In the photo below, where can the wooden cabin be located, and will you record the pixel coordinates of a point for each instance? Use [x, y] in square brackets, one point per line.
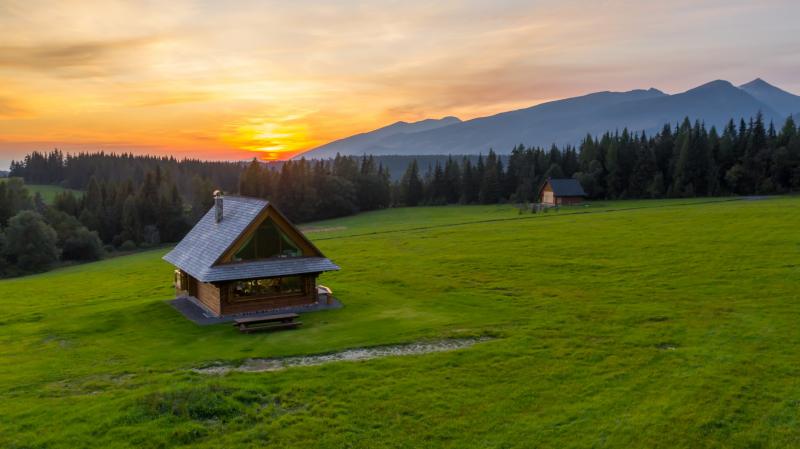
[556, 192]
[245, 256]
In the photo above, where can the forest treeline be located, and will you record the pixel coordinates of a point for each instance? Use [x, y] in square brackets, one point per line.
[109, 216]
[34, 236]
[131, 201]
[75, 171]
[686, 160]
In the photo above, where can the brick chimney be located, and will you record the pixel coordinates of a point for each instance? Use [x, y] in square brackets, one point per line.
[218, 205]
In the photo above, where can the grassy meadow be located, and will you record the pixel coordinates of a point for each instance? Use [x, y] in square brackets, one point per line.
[47, 191]
[652, 324]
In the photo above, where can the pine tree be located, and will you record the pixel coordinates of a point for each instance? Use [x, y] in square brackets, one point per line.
[644, 172]
[452, 181]
[411, 186]
[250, 181]
[490, 182]
[469, 183]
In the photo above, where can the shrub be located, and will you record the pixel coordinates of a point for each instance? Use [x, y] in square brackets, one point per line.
[127, 245]
[63, 223]
[30, 242]
[83, 244]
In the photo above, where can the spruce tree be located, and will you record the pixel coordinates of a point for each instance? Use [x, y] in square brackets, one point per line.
[490, 181]
[411, 185]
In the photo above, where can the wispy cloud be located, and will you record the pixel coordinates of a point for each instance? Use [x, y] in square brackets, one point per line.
[167, 98]
[72, 59]
[12, 108]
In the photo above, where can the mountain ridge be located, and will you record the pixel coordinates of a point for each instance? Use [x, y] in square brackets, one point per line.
[569, 120]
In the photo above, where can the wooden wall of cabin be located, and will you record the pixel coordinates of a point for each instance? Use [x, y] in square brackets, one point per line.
[567, 200]
[192, 285]
[216, 297]
[230, 307]
[547, 196]
[209, 295]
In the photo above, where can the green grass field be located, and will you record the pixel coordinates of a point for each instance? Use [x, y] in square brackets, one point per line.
[48, 192]
[652, 324]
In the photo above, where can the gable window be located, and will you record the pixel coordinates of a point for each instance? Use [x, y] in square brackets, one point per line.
[267, 241]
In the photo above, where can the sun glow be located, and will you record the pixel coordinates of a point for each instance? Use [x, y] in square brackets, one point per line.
[274, 140]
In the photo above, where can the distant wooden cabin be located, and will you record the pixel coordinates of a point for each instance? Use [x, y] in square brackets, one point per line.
[245, 256]
[557, 192]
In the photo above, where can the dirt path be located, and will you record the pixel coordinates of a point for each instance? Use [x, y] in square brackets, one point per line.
[275, 364]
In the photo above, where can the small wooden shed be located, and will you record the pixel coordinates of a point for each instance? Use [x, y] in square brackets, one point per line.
[564, 191]
[245, 256]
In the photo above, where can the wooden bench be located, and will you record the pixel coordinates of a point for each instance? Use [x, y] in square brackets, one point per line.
[267, 323]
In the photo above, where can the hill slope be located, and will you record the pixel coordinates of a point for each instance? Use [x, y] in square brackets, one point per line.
[683, 336]
[568, 121]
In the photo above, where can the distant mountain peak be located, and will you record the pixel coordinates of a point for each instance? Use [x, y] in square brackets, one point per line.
[372, 138]
[444, 120]
[567, 121]
[716, 84]
[786, 103]
[757, 83]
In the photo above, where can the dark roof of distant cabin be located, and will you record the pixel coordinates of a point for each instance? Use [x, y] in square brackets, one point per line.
[566, 187]
[208, 240]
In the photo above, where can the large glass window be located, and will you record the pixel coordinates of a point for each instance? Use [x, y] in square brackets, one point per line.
[260, 288]
[267, 241]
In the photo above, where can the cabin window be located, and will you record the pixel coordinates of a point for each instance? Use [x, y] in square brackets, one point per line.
[267, 241]
[261, 288]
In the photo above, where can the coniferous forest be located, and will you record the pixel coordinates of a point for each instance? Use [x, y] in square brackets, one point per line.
[140, 201]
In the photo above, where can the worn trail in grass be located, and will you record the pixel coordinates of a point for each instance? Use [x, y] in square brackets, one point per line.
[671, 327]
[348, 355]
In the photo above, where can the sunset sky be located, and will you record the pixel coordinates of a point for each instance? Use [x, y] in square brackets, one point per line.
[234, 79]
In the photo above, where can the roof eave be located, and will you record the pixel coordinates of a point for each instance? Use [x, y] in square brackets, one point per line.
[210, 276]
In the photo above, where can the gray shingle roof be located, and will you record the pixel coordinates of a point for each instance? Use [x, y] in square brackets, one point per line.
[269, 268]
[567, 187]
[208, 240]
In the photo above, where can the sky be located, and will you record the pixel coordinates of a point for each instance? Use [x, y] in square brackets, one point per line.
[240, 79]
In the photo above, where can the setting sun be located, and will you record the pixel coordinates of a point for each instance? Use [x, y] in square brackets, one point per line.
[273, 140]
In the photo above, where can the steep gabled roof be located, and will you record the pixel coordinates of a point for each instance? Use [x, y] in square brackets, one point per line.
[565, 187]
[198, 252]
